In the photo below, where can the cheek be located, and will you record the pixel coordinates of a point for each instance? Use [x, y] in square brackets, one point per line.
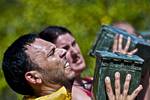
[78, 48]
[54, 63]
[79, 51]
[56, 75]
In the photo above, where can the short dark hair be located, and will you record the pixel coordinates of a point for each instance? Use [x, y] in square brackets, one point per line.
[51, 33]
[16, 63]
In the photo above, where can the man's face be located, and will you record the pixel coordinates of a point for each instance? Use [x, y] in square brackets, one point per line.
[73, 55]
[50, 59]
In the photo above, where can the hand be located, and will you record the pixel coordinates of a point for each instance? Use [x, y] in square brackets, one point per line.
[118, 95]
[117, 46]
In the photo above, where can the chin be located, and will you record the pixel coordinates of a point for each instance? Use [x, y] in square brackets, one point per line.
[71, 74]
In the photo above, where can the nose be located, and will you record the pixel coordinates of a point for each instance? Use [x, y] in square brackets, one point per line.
[62, 53]
[73, 51]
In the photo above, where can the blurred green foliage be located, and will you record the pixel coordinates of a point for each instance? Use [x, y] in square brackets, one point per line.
[82, 17]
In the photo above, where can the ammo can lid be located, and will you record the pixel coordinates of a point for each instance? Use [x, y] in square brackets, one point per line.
[113, 31]
[118, 56]
[117, 30]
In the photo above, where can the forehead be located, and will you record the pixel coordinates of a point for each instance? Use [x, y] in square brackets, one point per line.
[40, 44]
[64, 39]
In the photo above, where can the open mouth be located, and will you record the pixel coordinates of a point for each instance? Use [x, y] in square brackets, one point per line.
[78, 60]
[67, 65]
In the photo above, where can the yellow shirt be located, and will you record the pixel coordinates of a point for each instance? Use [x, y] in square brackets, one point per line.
[61, 94]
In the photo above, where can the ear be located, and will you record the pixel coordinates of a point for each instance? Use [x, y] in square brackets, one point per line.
[33, 77]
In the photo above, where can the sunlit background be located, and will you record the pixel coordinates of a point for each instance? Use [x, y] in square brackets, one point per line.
[82, 17]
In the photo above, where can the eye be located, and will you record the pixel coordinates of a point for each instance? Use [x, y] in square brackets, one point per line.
[66, 47]
[51, 52]
[73, 43]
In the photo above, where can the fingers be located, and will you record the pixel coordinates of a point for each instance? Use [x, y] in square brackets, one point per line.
[126, 86]
[118, 95]
[136, 92]
[117, 85]
[115, 44]
[133, 52]
[120, 43]
[109, 88]
[128, 44]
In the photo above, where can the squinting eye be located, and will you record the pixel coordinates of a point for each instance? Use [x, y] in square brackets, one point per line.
[66, 47]
[73, 43]
[51, 52]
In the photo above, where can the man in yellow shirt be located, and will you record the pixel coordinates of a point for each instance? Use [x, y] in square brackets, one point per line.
[37, 69]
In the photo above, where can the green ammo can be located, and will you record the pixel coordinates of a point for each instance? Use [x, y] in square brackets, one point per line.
[107, 63]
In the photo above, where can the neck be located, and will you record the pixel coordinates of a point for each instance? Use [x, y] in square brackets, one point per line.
[46, 89]
[78, 80]
[68, 85]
